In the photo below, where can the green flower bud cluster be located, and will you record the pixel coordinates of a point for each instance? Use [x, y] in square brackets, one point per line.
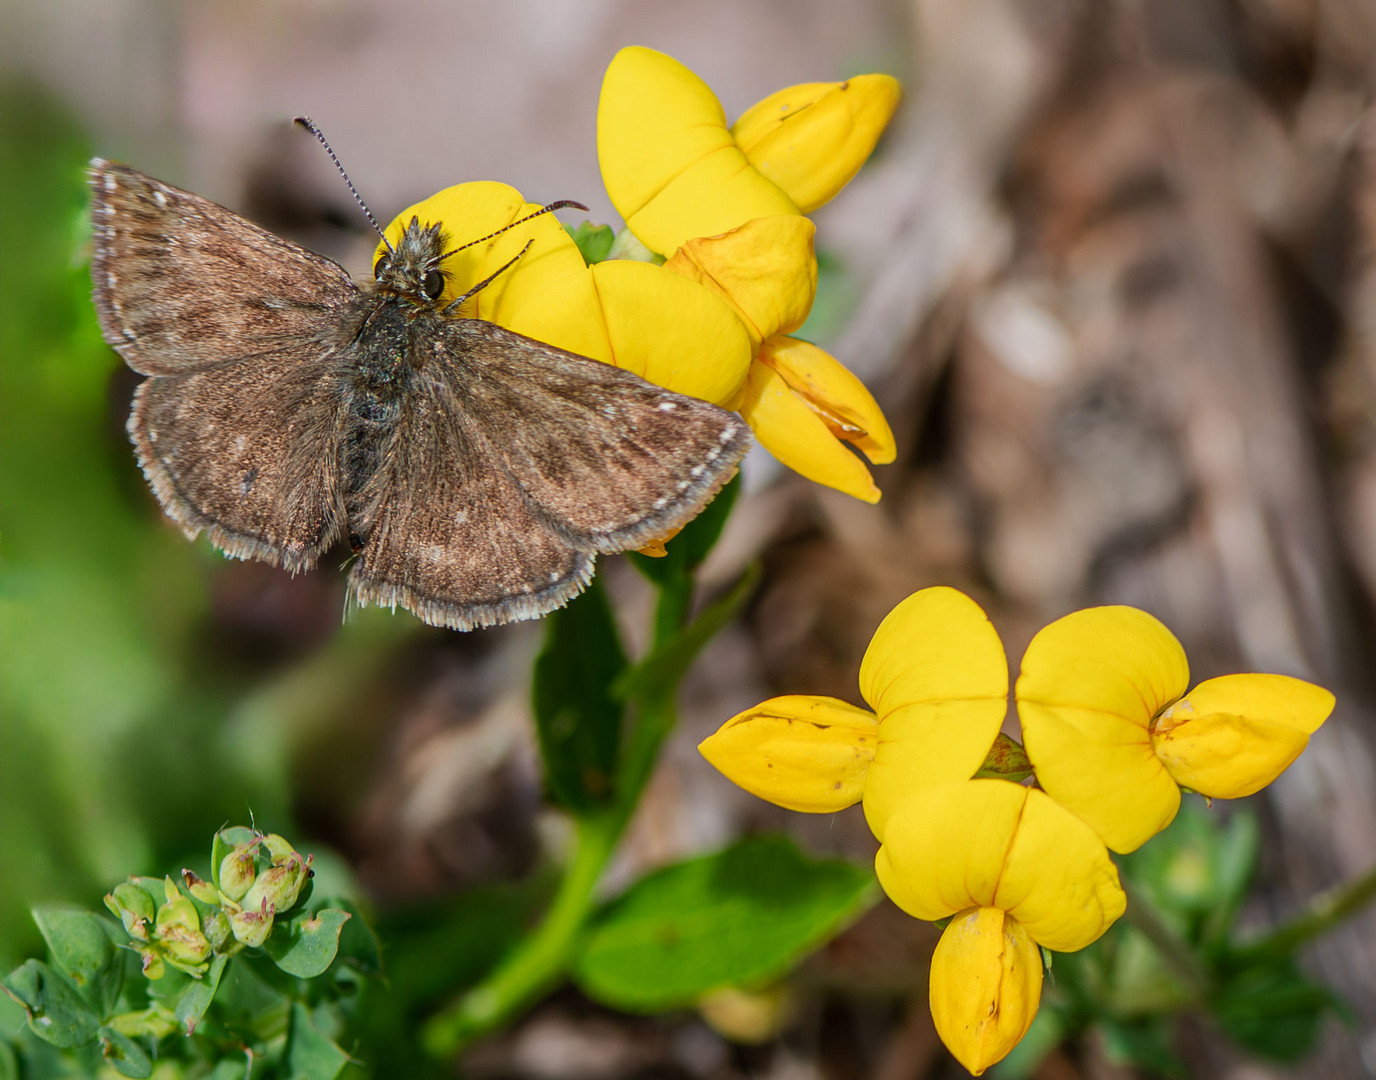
[256, 877]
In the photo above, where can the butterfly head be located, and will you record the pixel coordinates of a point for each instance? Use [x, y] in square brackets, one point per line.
[412, 270]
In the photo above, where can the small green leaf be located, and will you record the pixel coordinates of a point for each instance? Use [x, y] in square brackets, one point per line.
[358, 945]
[576, 716]
[594, 241]
[126, 1055]
[81, 948]
[57, 1014]
[305, 945]
[1273, 1010]
[743, 916]
[196, 998]
[311, 1055]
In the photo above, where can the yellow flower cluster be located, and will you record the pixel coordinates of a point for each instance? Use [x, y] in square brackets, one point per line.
[723, 207]
[1111, 733]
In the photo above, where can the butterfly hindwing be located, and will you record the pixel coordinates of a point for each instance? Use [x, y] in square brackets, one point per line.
[451, 537]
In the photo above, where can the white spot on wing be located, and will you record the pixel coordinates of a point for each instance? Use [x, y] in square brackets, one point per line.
[461, 518]
[668, 406]
[160, 198]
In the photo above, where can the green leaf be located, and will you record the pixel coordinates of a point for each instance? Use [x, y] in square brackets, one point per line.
[594, 241]
[57, 1014]
[743, 916]
[576, 715]
[126, 1055]
[81, 948]
[196, 998]
[1146, 1042]
[1273, 1010]
[305, 945]
[691, 546]
[358, 945]
[9, 1066]
[311, 1055]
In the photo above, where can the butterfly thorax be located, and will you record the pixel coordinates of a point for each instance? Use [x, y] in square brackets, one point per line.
[397, 313]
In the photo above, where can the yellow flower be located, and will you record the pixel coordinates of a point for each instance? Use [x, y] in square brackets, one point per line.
[1016, 871]
[935, 676]
[657, 324]
[725, 205]
[1113, 736]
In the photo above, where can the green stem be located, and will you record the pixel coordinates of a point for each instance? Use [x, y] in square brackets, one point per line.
[542, 959]
[1323, 913]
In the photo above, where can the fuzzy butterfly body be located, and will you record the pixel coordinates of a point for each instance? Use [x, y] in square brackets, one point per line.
[476, 473]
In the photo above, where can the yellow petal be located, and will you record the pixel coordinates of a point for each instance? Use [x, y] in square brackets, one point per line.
[803, 753]
[991, 843]
[765, 270]
[811, 139]
[1231, 736]
[467, 212]
[548, 294]
[672, 331]
[714, 195]
[798, 437]
[1090, 686]
[833, 393]
[668, 161]
[986, 985]
[654, 119]
[936, 674]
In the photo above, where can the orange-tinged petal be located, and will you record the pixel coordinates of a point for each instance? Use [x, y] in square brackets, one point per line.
[468, 212]
[936, 674]
[672, 331]
[1231, 736]
[717, 193]
[765, 270]
[803, 753]
[812, 138]
[655, 118]
[798, 436]
[1090, 685]
[837, 396]
[991, 843]
[986, 984]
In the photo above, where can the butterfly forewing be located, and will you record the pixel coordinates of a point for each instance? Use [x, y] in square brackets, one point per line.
[180, 282]
[610, 460]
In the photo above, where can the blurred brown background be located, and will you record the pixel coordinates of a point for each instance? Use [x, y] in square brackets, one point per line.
[1110, 274]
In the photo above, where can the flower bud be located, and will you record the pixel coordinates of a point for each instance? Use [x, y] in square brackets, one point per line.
[251, 926]
[238, 869]
[133, 907]
[280, 885]
[152, 964]
[199, 888]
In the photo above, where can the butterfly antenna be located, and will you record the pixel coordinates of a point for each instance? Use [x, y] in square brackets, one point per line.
[562, 204]
[311, 126]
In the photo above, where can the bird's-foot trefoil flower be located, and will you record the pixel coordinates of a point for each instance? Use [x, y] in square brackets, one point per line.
[724, 205]
[936, 679]
[1113, 736]
[1015, 871]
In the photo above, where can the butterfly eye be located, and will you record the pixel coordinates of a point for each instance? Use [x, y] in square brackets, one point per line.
[382, 266]
[432, 284]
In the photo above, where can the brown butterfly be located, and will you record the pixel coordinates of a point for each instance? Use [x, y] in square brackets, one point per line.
[475, 472]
